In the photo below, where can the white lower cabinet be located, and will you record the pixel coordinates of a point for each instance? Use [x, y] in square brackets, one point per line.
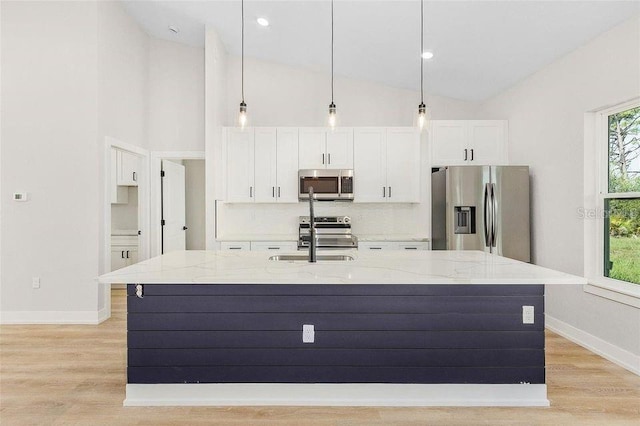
[393, 245]
[235, 245]
[274, 246]
[259, 245]
[124, 251]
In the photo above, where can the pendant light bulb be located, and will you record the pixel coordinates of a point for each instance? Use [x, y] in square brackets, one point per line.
[422, 115]
[242, 117]
[332, 115]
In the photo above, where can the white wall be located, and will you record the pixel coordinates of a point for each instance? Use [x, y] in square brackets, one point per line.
[282, 95]
[176, 96]
[49, 116]
[194, 176]
[546, 125]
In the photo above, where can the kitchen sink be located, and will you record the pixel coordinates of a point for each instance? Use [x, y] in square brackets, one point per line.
[305, 258]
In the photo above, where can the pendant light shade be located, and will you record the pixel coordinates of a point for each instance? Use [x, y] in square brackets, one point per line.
[242, 116]
[332, 106]
[422, 108]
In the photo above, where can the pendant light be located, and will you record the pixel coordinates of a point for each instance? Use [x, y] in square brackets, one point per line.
[332, 105]
[242, 117]
[422, 108]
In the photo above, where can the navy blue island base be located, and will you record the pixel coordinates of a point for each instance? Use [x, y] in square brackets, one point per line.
[369, 333]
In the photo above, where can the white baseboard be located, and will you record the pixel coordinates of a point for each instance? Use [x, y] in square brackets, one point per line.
[371, 395]
[54, 317]
[595, 344]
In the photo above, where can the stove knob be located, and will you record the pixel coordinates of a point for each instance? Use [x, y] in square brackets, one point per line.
[347, 219]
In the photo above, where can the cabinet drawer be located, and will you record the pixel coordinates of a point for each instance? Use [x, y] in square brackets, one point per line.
[413, 245]
[235, 245]
[377, 245]
[274, 246]
[124, 240]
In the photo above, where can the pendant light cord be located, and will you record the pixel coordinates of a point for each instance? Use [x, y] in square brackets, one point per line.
[242, 54]
[421, 51]
[331, 51]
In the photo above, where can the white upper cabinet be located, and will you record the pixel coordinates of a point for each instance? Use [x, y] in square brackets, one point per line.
[387, 165]
[403, 165]
[262, 165]
[128, 166]
[240, 170]
[321, 148]
[287, 165]
[468, 142]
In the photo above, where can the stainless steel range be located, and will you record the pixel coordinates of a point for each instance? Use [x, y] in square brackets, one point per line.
[333, 232]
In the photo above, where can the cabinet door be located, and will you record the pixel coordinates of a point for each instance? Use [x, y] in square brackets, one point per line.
[287, 165]
[448, 140]
[129, 168]
[340, 149]
[240, 162]
[370, 165]
[265, 165]
[312, 148]
[403, 165]
[131, 255]
[487, 142]
[119, 194]
[118, 257]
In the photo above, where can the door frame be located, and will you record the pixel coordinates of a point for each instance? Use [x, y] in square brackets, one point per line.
[155, 234]
[143, 211]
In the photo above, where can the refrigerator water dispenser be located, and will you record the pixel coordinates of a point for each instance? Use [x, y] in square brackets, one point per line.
[465, 220]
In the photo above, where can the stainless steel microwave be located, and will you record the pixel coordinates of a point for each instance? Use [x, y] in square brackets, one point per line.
[328, 185]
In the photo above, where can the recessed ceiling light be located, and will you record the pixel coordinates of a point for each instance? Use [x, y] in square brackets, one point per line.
[263, 22]
[427, 55]
[174, 29]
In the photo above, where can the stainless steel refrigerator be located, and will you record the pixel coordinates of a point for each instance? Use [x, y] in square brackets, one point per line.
[481, 208]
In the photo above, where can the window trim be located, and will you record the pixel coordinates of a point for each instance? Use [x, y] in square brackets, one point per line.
[599, 284]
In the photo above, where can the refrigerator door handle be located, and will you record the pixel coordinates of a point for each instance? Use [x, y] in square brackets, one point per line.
[487, 214]
[494, 210]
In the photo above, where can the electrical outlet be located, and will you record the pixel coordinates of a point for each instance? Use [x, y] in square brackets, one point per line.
[308, 333]
[527, 315]
[35, 282]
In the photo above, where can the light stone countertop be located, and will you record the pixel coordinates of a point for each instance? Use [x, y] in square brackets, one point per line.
[387, 267]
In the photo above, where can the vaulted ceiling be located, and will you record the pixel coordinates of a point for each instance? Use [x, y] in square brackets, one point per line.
[480, 47]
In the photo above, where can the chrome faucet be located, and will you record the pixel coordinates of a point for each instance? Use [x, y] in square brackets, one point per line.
[312, 229]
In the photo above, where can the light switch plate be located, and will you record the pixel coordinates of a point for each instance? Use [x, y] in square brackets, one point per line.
[528, 315]
[308, 333]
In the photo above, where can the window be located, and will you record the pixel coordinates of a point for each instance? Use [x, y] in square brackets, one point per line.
[621, 195]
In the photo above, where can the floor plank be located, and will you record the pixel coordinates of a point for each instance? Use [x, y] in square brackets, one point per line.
[75, 375]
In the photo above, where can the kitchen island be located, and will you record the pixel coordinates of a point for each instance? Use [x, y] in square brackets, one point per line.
[392, 328]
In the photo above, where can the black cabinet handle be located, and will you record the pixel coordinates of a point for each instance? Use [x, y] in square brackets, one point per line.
[135, 178]
[278, 192]
[122, 254]
[465, 154]
[375, 248]
[184, 228]
[127, 254]
[273, 192]
[389, 192]
[472, 154]
[329, 155]
[384, 192]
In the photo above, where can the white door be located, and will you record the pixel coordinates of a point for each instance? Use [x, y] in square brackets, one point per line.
[173, 207]
[448, 139]
[340, 149]
[287, 165]
[240, 162]
[487, 142]
[403, 165]
[370, 165]
[312, 148]
[265, 165]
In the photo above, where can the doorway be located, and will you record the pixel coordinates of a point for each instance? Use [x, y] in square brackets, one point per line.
[178, 197]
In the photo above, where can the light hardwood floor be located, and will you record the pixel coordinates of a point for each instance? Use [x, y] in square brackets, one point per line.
[71, 374]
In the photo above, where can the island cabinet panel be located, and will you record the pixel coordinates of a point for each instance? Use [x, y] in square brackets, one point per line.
[243, 333]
